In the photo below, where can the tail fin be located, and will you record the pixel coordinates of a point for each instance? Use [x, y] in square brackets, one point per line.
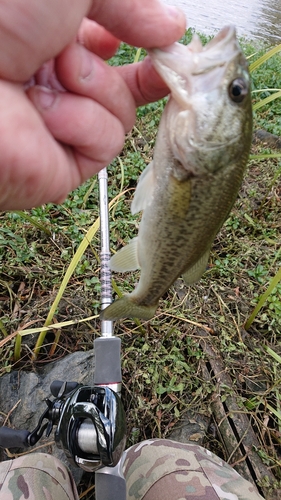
[126, 308]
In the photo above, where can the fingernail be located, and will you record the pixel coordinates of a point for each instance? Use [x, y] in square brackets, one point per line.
[174, 12]
[45, 97]
[87, 63]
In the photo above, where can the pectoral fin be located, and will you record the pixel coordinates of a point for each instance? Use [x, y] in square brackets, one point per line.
[193, 274]
[144, 190]
[126, 259]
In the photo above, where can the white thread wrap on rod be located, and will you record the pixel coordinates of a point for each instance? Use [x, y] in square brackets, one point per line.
[105, 273]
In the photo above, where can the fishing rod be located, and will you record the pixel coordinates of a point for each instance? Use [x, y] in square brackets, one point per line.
[107, 350]
[90, 421]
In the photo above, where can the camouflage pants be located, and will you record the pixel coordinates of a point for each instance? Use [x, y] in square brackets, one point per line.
[154, 470]
[34, 477]
[160, 469]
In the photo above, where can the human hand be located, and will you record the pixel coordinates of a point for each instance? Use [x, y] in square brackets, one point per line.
[52, 139]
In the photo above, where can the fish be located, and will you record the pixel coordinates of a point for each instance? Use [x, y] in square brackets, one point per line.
[200, 155]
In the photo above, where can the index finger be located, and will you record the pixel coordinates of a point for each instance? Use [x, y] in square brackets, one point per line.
[145, 23]
[143, 81]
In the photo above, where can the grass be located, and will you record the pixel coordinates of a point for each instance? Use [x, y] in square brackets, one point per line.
[49, 282]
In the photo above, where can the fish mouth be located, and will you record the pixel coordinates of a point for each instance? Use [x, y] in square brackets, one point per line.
[191, 68]
[225, 44]
[195, 56]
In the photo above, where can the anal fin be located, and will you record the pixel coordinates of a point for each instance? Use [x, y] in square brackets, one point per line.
[126, 259]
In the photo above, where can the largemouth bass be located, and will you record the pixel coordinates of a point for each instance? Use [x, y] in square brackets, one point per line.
[188, 189]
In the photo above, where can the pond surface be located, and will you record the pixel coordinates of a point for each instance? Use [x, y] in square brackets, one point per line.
[254, 19]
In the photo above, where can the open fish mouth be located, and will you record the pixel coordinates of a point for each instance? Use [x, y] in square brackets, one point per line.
[222, 48]
[191, 68]
[224, 42]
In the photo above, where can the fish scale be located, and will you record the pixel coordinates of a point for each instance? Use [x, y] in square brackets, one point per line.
[200, 156]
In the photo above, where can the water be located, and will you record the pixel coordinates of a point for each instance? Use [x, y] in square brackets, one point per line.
[254, 19]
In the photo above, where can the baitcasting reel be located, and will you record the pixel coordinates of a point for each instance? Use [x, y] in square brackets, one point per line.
[90, 424]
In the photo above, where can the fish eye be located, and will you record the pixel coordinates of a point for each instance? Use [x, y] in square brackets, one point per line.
[237, 90]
